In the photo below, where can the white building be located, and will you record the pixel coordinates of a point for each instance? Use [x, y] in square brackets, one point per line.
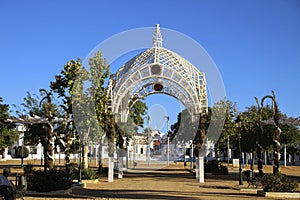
[136, 150]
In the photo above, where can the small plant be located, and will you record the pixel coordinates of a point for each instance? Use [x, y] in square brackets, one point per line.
[86, 174]
[72, 169]
[278, 183]
[89, 174]
[102, 171]
[28, 168]
[19, 152]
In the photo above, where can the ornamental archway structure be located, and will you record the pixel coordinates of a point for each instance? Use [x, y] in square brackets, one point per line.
[158, 70]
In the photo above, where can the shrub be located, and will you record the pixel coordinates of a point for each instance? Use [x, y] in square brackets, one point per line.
[73, 170]
[278, 183]
[215, 167]
[19, 152]
[86, 174]
[52, 180]
[28, 168]
[89, 174]
[102, 171]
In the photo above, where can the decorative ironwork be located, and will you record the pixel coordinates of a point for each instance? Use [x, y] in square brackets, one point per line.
[277, 131]
[158, 70]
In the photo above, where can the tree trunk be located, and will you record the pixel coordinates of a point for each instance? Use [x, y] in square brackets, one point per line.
[111, 143]
[49, 159]
[45, 155]
[100, 155]
[3, 153]
[85, 157]
[268, 158]
[276, 150]
[252, 163]
[224, 155]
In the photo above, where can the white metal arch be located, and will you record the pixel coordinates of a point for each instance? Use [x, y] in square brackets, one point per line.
[158, 70]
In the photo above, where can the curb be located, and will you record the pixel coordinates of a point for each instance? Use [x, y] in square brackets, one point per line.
[291, 195]
[51, 193]
[252, 190]
[67, 192]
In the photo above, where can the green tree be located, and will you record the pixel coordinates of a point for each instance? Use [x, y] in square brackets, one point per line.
[87, 91]
[8, 133]
[256, 137]
[91, 102]
[40, 123]
[250, 129]
[99, 101]
[182, 128]
[69, 85]
[252, 135]
[49, 108]
[258, 131]
[201, 132]
[291, 137]
[229, 131]
[137, 111]
[63, 87]
[99, 90]
[98, 77]
[35, 133]
[185, 130]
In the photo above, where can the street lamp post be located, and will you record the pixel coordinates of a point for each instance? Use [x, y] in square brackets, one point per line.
[192, 155]
[134, 150]
[79, 165]
[168, 139]
[22, 152]
[239, 124]
[79, 158]
[228, 150]
[148, 147]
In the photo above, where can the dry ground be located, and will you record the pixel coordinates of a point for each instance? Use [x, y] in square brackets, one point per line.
[163, 182]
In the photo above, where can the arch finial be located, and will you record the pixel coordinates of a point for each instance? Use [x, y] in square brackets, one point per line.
[157, 37]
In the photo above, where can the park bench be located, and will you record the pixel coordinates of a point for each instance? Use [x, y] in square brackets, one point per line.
[21, 185]
[253, 179]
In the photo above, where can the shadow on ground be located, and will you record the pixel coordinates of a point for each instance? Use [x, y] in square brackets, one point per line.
[150, 194]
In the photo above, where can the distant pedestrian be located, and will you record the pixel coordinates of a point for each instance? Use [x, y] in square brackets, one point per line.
[68, 164]
[90, 156]
[294, 162]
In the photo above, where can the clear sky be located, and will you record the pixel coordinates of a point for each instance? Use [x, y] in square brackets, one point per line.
[255, 44]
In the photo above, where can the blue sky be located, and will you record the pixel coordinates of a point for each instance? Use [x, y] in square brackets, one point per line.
[255, 44]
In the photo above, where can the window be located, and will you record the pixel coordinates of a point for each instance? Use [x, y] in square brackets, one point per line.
[32, 150]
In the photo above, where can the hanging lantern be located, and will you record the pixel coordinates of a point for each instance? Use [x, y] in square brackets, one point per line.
[158, 87]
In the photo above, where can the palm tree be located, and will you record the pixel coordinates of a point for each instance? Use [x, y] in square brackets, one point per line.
[48, 148]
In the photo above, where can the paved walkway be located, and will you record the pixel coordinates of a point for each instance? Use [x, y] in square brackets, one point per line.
[172, 182]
